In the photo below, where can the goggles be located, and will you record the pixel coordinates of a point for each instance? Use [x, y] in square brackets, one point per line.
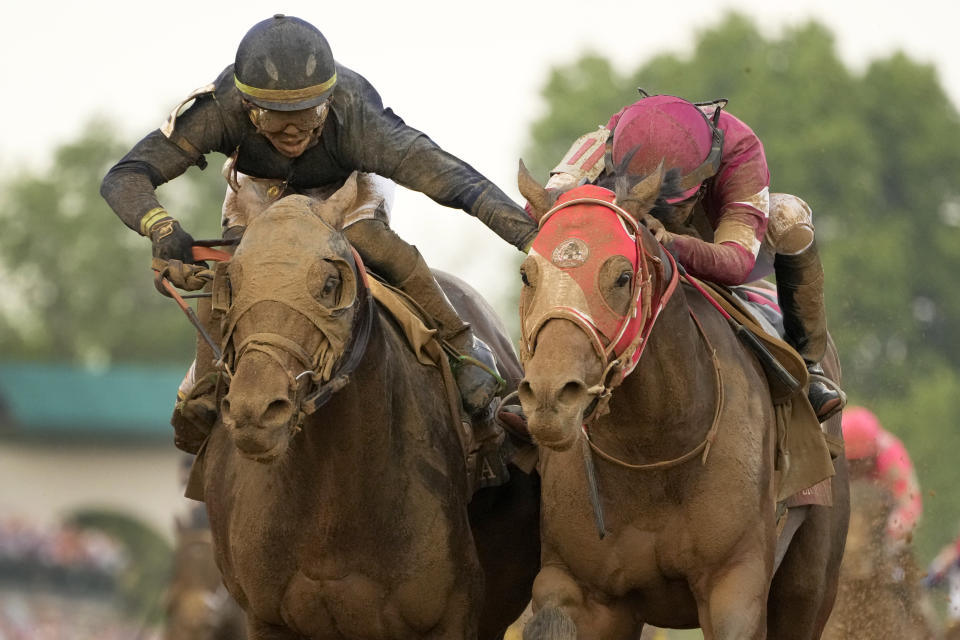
[304, 120]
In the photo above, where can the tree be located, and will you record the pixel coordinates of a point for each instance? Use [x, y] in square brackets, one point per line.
[77, 282]
[876, 156]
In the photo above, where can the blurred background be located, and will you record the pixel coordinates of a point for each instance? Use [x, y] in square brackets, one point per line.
[857, 111]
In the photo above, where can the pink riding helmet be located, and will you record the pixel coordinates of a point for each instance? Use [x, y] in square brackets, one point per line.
[664, 128]
[860, 431]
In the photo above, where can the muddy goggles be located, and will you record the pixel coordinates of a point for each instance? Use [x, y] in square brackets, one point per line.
[304, 120]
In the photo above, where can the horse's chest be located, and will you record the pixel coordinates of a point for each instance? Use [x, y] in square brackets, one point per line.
[628, 558]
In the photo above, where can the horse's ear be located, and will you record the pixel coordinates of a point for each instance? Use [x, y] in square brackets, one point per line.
[533, 191]
[334, 209]
[643, 196]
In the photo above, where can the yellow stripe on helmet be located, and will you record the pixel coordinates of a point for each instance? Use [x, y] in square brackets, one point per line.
[286, 95]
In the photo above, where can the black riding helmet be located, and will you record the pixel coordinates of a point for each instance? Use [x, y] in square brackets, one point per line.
[284, 64]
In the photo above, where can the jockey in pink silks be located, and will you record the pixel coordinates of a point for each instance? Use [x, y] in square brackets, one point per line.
[722, 223]
[880, 456]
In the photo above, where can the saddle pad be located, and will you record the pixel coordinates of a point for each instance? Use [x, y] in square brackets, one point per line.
[762, 306]
[419, 337]
[425, 345]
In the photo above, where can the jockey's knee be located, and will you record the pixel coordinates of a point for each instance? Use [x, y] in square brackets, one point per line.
[382, 249]
[790, 228]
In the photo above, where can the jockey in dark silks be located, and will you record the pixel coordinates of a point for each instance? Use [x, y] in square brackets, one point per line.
[734, 230]
[292, 120]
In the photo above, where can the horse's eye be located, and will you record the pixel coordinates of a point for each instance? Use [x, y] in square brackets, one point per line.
[330, 285]
[523, 276]
[624, 279]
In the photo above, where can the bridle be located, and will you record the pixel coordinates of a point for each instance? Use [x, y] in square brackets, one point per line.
[617, 358]
[616, 362]
[307, 398]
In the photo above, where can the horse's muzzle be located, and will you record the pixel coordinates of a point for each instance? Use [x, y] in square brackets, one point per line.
[554, 408]
[259, 424]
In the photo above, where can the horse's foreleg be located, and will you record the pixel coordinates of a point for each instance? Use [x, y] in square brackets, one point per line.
[732, 603]
[562, 611]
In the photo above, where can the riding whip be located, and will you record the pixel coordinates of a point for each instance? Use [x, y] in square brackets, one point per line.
[593, 486]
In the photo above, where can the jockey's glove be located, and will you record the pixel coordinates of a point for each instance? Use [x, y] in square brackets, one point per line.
[170, 241]
[190, 277]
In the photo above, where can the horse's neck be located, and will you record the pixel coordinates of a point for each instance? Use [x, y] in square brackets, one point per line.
[673, 383]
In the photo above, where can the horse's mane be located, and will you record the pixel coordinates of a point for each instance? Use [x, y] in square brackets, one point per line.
[619, 180]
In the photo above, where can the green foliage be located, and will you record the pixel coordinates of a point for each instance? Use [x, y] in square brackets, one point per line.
[149, 557]
[77, 284]
[876, 155]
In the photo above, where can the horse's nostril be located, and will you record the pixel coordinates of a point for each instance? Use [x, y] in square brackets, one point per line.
[525, 392]
[224, 407]
[278, 411]
[571, 392]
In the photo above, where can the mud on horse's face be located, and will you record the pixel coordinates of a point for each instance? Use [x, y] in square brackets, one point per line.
[584, 305]
[294, 285]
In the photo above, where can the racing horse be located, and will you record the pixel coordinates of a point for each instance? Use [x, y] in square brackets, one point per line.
[675, 460]
[335, 478]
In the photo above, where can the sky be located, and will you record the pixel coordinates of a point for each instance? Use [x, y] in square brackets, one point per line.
[468, 77]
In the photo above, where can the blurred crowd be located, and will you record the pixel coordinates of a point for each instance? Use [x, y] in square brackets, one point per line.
[60, 555]
[59, 582]
[32, 616]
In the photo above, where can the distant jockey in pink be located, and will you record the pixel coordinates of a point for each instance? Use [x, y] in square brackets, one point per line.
[886, 462]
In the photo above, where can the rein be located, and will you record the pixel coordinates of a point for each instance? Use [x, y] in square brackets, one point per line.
[704, 445]
[630, 356]
[614, 370]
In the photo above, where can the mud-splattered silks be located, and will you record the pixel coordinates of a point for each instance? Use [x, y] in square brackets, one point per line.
[273, 263]
[577, 237]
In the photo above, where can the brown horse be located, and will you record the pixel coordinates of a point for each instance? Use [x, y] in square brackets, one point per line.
[871, 601]
[335, 482]
[684, 446]
[198, 605]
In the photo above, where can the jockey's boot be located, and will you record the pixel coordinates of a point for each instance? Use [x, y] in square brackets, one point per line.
[475, 368]
[800, 291]
[476, 375]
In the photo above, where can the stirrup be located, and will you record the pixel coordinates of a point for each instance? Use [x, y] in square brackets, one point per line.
[826, 397]
[489, 451]
[477, 376]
